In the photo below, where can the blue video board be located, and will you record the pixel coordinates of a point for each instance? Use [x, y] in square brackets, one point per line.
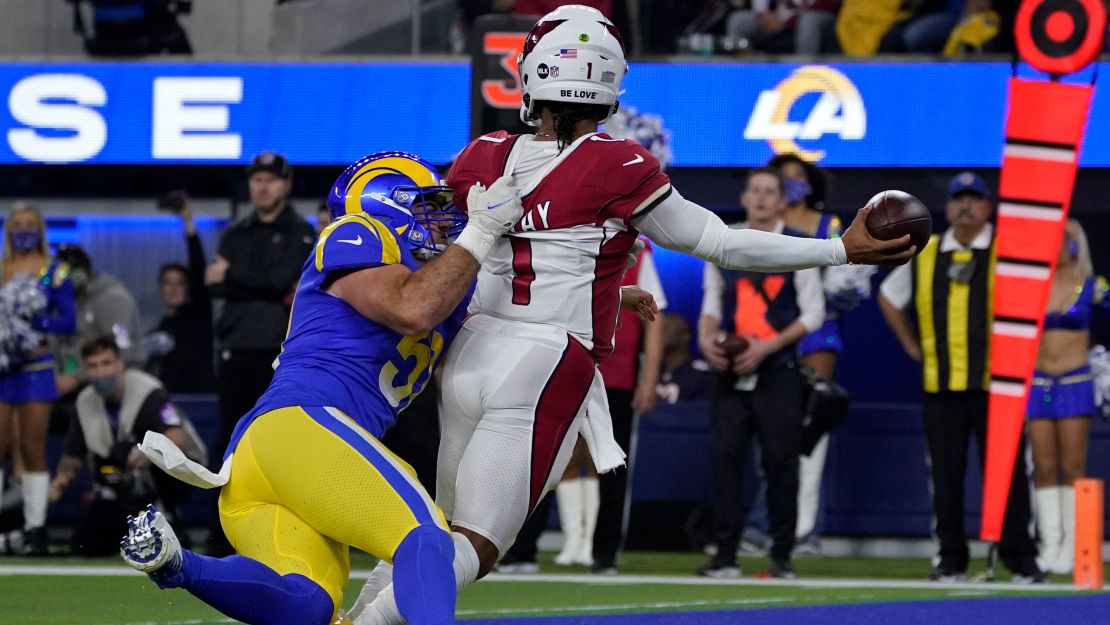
[719, 114]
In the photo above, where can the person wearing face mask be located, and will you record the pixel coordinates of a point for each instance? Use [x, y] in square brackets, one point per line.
[114, 412]
[939, 308]
[39, 286]
[805, 186]
[1061, 398]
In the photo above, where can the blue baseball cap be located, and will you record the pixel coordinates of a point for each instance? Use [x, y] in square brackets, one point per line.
[968, 181]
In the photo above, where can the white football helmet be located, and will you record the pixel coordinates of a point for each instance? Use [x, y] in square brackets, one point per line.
[573, 54]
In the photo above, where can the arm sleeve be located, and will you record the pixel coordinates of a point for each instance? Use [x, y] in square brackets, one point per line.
[678, 224]
[896, 287]
[60, 316]
[197, 263]
[811, 298]
[648, 279]
[712, 288]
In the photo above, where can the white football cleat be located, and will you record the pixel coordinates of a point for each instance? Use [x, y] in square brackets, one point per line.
[151, 544]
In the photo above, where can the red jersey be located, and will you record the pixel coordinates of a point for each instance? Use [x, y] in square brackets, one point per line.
[563, 262]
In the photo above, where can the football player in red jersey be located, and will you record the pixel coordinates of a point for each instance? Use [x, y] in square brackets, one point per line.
[521, 380]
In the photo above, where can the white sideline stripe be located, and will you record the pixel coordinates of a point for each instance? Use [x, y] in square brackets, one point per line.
[1007, 209]
[608, 580]
[1039, 153]
[600, 580]
[695, 603]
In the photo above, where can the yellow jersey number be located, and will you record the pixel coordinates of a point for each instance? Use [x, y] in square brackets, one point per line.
[407, 372]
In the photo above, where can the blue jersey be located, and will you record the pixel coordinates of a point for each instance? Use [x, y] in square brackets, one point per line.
[334, 356]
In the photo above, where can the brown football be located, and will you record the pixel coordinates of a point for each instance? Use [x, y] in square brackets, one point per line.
[732, 344]
[897, 213]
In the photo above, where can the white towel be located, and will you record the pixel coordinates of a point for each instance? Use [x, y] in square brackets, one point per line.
[598, 431]
[168, 457]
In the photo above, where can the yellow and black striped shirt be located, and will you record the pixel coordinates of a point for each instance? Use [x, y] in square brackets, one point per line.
[953, 295]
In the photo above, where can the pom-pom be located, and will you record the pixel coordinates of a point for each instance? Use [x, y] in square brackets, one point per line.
[1099, 358]
[20, 301]
[848, 285]
[643, 128]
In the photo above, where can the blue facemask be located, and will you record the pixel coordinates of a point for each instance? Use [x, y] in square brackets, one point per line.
[796, 190]
[25, 240]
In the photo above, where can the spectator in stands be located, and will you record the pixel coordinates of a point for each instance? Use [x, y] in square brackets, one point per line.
[682, 377]
[760, 389]
[180, 347]
[786, 26]
[862, 24]
[255, 272]
[976, 31]
[1062, 398]
[805, 194]
[104, 308]
[924, 26]
[36, 301]
[948, 290]
[114, 412]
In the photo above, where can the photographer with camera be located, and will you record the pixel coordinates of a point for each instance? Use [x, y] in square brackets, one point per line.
[114, 412]
[179, 349]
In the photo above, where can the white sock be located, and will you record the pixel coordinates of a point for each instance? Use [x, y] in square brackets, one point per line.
[466, 561]
[569, 499]
[380, 577]
[36, 488]
[1065, 562]
[591, 502]
[1047, 501]
[383, 609]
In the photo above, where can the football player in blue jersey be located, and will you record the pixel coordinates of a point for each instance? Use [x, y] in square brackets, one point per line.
[305, 475]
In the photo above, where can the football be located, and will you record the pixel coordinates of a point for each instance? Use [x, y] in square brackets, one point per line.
[732, 344]
[898, 213]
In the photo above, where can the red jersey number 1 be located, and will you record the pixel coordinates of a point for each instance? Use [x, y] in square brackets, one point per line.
[522, 267]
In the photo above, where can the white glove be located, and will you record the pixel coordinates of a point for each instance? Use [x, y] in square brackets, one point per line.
[491, 213]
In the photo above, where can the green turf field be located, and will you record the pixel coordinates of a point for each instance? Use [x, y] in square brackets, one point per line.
[650, 582]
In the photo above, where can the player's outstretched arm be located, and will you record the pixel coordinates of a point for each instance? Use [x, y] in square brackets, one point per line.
[405, 301]
[679, 224]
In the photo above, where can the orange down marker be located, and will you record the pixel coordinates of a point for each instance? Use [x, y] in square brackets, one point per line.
[1088, 534]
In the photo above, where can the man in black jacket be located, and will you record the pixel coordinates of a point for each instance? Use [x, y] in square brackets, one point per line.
[255, 272]
[180, 348]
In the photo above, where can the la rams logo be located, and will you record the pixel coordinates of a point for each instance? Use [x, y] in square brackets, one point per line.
[839, 110]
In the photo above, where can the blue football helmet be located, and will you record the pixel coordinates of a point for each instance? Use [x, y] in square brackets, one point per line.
[403, 191]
